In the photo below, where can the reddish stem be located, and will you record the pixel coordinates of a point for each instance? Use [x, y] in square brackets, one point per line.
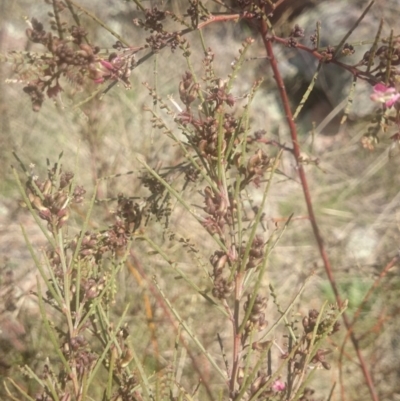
[320, 57]
[296, 152]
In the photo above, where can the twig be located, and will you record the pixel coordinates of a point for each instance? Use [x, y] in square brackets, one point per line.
[297, 154]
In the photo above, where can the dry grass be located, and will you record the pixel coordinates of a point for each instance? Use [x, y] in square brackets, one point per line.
[355, 192]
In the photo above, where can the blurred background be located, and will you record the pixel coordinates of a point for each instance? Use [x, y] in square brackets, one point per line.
[355, 190]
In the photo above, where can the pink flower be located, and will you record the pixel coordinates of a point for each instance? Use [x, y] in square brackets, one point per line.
[278, 386]
[101, 70]
[384, 94]
[118, 69]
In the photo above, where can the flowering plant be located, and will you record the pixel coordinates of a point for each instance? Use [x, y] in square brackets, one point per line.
[385, 94]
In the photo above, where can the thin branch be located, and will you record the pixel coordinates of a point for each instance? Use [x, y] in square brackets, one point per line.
[304, 183]
[342, 42]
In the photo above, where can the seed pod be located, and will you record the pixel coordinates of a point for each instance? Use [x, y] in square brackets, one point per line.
[88, 49]
[240, 376]
[37, 203]
[46, 187]
[63, 215]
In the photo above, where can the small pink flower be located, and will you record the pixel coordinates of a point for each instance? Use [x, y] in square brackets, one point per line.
[107, 65]
[384, 94]
[102, 70]
[99, 80]
[278, 386]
